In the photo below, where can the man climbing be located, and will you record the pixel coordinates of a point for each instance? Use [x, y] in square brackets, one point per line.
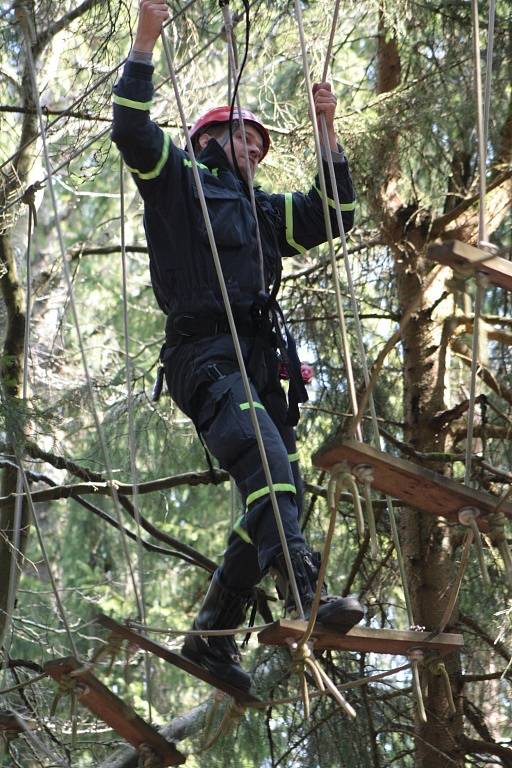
[200, 363]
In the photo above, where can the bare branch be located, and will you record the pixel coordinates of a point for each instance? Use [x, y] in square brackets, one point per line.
[47, 34]
[123, 489]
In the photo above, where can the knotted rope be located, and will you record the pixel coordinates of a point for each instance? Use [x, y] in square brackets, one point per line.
[301, 651]
[498, 537]
[436, 666]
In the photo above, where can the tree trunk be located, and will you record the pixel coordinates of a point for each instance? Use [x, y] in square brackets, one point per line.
[426, 542]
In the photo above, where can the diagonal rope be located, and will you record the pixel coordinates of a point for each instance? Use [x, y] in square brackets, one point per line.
[131, 426]
[233, 330]
[42, 545]
[38, 746]
[345, 346]
[25, 22]
[339, 218]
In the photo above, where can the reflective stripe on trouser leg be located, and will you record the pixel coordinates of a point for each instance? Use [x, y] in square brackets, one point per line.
[230, 437]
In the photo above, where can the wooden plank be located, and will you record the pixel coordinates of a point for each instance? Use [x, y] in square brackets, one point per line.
[114, 712]
[135, 638]
[417, 486]
[11, 724]
[363, 639]
[456, 254]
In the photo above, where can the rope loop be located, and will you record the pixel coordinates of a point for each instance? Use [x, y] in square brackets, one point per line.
[363, 473]
[498, 539]
[148, 758]
[340, 478]
[230, 719]
[29, 195]
[436, 667]
[468, 517]
[497, 533]
[111, 650]
[67, 687]
[416, 655]
[29, 198]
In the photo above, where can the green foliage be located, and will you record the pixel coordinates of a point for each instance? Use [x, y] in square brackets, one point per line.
[426, 126]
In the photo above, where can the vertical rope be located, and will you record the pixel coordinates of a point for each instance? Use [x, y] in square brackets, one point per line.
[233, 71]
[18, 505]
[480, 282]
[480, 130]
[42, 545]
[233, 330]
[488, 70]
[416, 657]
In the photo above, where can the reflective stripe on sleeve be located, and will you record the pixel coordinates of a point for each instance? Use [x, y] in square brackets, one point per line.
[147, 175]
[144, 106]
[343, 206]
[288, 208]
[265, 491]
[293, 457]
[246, 406]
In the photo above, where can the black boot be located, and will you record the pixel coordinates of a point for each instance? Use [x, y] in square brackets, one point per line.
[221, 609]
[340, 613]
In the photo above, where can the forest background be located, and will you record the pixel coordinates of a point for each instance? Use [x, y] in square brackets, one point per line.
[404, 76]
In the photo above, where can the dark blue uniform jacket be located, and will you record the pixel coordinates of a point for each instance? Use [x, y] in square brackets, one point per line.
[181, 264]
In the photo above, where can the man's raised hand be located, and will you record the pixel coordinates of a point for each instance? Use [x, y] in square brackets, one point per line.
[152, 14]
[325, 104]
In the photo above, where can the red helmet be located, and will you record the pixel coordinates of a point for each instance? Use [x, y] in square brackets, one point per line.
[221, 115]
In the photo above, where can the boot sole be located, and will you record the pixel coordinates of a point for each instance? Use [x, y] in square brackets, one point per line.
[218, 670]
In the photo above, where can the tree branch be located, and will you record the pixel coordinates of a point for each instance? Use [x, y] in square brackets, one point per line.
[47, 34]
[440, 224]
[473, 746]
[104, 488]
[499, 647]
[464, 352]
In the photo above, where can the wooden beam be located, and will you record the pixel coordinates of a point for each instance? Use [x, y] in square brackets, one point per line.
[157, 649]
[362, 639]
[456, 254]
[416, 486]
[112, 711]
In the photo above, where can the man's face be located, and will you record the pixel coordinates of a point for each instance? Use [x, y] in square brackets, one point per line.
[254, 143]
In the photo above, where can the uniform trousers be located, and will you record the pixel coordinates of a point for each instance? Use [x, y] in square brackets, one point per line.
[221, 414]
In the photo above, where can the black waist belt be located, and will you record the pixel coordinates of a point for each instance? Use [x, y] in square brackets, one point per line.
[265, 323]
[190, 327]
